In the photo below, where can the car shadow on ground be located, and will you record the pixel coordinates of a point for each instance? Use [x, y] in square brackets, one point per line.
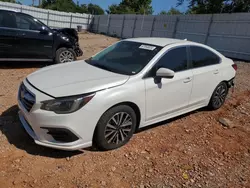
[21, 65]
[11, 127]
[16, 135]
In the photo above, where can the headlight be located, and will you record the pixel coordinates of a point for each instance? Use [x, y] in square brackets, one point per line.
[65, 38]
[66, 105]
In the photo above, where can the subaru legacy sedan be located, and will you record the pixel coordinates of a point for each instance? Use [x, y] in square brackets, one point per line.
[131, 84]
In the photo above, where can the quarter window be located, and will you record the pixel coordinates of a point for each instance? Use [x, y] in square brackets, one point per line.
[202, 57]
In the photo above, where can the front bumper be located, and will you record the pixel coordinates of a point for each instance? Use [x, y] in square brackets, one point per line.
[37, 124]
[43, 139]
[78, 50]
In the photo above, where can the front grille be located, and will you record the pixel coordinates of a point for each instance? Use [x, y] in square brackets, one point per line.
[26, 97]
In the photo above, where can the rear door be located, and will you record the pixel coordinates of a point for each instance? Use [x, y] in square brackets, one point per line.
[206, 74]
[33, 44]
[8, 34]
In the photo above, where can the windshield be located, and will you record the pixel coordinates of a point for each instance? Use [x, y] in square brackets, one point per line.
[125, 57]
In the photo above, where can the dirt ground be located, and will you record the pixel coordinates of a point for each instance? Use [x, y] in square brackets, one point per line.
[194, 150]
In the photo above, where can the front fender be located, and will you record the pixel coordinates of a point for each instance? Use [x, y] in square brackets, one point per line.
[133, 93]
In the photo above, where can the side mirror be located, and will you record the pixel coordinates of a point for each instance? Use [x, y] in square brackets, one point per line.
[165, 73]
[43, 31]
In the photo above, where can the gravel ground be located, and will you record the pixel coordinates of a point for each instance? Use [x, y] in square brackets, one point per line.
[194, 150]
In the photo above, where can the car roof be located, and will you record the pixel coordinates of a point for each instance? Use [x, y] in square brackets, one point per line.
[158, 41]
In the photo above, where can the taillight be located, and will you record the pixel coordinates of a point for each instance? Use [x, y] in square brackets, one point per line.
[234, 66]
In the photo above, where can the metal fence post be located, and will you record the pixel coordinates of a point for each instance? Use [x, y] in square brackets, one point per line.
[21, 8]
[208, 29]
[152, 28]
[108, 23]
[70, 21]
[133, 33]
[98, 24]
[88, 22]
[142, 23]
[123, 25]
[48, 19]
[175, 27]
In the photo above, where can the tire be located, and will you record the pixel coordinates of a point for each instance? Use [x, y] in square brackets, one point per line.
[65, 53]
[219, 96]
[107, 128]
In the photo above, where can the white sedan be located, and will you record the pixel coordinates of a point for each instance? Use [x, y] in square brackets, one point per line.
[131, 84]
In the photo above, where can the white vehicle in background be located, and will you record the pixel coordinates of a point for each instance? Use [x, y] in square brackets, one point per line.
[131, 84]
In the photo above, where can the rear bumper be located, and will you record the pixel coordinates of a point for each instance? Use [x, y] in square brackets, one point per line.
[230, 83]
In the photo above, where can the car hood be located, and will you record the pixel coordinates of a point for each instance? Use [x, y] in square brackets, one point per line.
[74, 78]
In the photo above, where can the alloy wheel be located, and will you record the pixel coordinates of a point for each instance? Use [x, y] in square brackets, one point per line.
[220, 95]
[118, 128]
[66, 56]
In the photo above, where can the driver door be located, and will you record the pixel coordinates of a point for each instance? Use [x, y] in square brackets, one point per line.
[168, 97]
[31, 43]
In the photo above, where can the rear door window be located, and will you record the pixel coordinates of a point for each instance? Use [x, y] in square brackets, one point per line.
[202, 57]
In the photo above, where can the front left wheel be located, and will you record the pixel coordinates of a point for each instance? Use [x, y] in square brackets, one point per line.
[115, 128]
[64, 55]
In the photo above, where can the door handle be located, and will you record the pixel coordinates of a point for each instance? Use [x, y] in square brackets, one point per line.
[216, 71]
[21, 34]
[188, 79]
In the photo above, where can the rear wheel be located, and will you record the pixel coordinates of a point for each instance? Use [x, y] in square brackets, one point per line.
[219, 96]
[64, 55]
[115, 128]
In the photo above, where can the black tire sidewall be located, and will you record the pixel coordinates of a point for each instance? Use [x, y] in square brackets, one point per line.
[60, 50]
[211, 105]
[99, 138]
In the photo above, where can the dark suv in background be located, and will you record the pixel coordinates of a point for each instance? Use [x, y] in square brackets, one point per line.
[25, 38]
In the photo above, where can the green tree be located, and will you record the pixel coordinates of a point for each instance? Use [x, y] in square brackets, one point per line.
[9, 1]
[216, 6]
[163, 12]
[94, 9]
[70, 6]
[59, 5]
[120, 9]
[172, 11]
[131, 7]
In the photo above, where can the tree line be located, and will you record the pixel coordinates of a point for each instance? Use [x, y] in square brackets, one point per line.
[145, 7]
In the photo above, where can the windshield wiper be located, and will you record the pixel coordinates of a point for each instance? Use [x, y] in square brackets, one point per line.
[103, 67]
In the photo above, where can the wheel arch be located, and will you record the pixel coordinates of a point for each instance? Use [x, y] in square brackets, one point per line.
[62, 45]
[130, 104]
[136, 110]
[210, 99]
